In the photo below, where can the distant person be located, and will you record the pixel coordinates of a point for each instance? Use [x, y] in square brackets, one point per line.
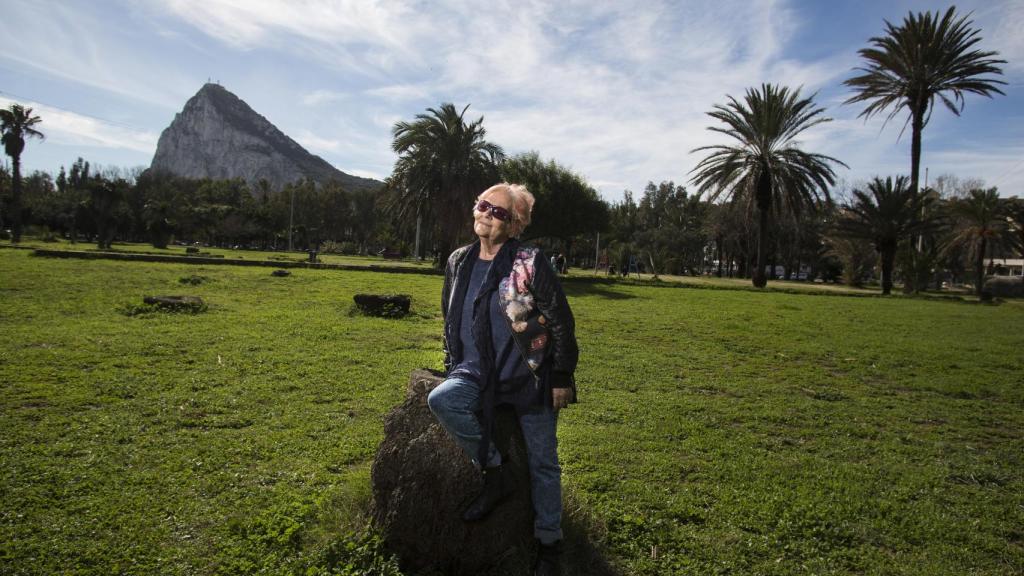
[562, 267]
[509, 339]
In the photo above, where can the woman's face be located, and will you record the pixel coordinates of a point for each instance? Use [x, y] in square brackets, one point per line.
[488, 227]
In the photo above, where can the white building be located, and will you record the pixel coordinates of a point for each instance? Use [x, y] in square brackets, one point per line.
[1007, 266]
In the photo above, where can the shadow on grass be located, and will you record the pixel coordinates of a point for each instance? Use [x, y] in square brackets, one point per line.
[341, 537]
[594, 289]
[583, 550]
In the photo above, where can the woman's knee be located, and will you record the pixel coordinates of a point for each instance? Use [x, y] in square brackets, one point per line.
[446, 398]
[437, 400]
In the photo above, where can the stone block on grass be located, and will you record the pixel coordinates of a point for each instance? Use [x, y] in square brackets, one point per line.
[188, 304]
[383, 305]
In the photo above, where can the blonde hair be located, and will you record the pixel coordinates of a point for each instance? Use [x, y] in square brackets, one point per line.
[522, 204]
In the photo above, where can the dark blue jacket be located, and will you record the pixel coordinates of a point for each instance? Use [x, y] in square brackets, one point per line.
[536, 310]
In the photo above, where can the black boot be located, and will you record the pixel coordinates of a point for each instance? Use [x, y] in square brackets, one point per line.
[549, 559]
[496, 488]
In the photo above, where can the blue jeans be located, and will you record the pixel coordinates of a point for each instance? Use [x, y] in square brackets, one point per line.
[455, 402]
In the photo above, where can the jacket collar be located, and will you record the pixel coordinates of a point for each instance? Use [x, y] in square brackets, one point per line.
[473, 249]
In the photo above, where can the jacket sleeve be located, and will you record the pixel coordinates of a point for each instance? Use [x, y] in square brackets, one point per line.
[551, 301]
[446, 291]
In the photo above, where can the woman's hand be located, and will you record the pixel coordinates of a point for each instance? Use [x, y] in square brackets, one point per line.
[560, 397]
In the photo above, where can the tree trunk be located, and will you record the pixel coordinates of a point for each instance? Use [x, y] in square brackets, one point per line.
[419, 226]
[718, 246]
[916, 127]
[760, 279]
[16, 197]
[764, 204]
[979, 275]
[888, 257]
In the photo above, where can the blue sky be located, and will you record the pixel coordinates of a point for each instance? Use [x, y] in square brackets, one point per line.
[618, 91]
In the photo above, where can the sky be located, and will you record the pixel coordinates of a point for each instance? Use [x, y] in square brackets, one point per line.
[617, 91]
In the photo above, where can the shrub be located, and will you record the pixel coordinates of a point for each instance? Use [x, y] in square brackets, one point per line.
[332, 247]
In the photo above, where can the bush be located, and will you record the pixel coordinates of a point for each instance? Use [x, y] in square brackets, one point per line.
[41, 232]
[345, 248]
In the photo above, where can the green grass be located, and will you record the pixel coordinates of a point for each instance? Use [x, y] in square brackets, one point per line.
[719, 431]
[588, 273]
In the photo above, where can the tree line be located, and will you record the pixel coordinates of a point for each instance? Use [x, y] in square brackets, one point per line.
[100, 205]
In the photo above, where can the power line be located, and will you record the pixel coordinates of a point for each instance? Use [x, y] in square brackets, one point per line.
[1012, 169]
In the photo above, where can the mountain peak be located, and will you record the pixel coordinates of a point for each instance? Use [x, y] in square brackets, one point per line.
[217, 135]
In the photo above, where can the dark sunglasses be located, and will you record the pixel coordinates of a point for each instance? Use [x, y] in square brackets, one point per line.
[496, 211]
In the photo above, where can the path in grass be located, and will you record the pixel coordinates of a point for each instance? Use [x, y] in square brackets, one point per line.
[719, 430]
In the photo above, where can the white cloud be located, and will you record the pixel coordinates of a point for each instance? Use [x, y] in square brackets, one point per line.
[400, 92]
[63, 127]
[1005, 20]
[364, 173]
[1003, 169]
[313, 142]
[318, 97]
[70, 41]
[359, 36]
[616, 90]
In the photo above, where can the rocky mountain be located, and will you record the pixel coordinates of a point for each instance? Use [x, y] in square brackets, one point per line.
[217, 135]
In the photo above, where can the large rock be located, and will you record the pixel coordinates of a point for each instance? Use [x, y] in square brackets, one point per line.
[422, 482]
[385, 305]
[219, 136]
[190, 304]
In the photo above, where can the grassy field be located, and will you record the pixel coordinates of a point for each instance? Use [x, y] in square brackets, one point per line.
[719, 431]
[376, 261]
[226, 253]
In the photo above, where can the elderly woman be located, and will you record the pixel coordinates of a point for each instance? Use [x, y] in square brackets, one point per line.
[509, 338]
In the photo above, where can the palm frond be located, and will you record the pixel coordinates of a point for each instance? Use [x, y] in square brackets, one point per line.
[921, 59]
[764, 126]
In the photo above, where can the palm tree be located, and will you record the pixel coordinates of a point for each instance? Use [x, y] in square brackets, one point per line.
[981, 223]
[443, 164]
[765, 166]
[913, 64]
[890, 215]
[104, 197]
[16, 124]
[1015, 212]
[857, 255]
